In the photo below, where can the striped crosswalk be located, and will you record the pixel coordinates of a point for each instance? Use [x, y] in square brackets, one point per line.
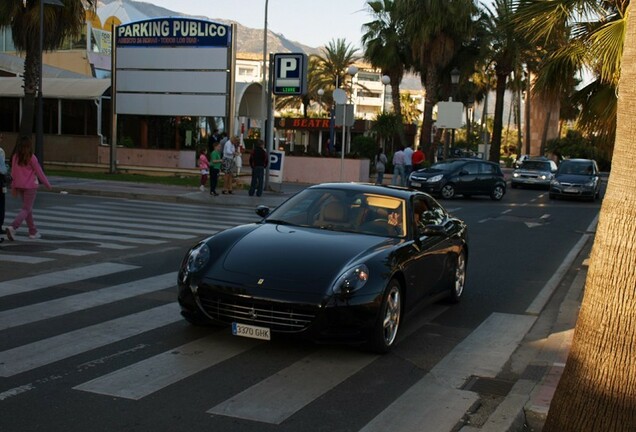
[85, 229]
[297, 379]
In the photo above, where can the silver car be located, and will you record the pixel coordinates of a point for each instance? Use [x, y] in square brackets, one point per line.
[534, 172]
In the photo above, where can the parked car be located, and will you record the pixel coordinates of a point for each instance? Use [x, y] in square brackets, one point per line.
[336, 262]
[460, 176]
[534, 172]
[521, 159]
[577, 178]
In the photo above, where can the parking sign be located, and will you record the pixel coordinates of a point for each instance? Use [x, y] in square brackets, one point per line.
[290, 74]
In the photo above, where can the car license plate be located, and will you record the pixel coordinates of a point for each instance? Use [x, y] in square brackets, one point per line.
[251, 331]
[571, 190]
[416, 184]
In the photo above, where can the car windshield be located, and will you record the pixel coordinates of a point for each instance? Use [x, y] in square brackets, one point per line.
[446, 166]
[343, 210]
[536, 165]
[576, 168]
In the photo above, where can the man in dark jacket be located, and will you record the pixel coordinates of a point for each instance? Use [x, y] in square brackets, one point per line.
[258, 162]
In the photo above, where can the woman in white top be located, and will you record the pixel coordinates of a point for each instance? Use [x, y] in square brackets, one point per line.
[227, 163]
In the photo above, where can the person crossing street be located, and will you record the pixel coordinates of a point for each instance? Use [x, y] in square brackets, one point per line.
[258, 163]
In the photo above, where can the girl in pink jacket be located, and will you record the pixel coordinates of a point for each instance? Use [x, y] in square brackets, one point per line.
[26, 172]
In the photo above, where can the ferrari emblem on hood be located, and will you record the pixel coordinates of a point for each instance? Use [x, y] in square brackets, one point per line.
[260, 281]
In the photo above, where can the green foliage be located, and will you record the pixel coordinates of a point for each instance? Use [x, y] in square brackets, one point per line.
[364, 146]
[573, 145]
[386, 125]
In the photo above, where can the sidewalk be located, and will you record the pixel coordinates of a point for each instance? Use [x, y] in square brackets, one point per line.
[535, 367]
[168, 193]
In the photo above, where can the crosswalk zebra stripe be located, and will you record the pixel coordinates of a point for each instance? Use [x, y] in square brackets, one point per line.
[57, 307]
[96, 238]
[43, 352]
[483, 353]
[32, 283]
[151, 375]
[125, 222]
[170, 213]
[115, 229]
[159, 207]
[278, 397]
[424, 406]
[71, 252]
[23, 259]
[203, 223]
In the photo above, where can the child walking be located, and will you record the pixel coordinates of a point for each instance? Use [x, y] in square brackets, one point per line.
[204, 166]
[26, 171]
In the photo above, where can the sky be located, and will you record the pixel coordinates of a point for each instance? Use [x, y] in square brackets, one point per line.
[310, 22]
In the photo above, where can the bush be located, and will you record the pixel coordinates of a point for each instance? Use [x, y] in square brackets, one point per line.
[364, 147]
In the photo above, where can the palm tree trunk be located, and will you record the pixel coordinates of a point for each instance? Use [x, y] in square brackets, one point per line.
[397, 106]
[597, 391]
[31, 77]
[495, 147]
[430, 85]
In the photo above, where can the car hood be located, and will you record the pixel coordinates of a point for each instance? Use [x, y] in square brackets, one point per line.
[290, 258]
[427, 173]
[530, 171]
[574, 178]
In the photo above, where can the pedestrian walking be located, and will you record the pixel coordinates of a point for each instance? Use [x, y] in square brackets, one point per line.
[227, 164]
[27, 175]
[380, 166]
[408, 162]
[3, 187]
[238, 158]
[418, 158]
[204, 166]
[258, 162]
[398, 167]
[215, 167]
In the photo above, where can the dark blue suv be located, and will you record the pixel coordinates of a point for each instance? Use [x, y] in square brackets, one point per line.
[460, 176]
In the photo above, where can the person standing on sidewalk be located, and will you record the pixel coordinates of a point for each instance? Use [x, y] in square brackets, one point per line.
[3, 186]
[204, 166]
[227, 164]
[258, 162]
[408, 163]
[215, 167]
[380, 166]
[26, 171]
[398, 167]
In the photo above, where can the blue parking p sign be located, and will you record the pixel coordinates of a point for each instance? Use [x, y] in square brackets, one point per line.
[290, 74]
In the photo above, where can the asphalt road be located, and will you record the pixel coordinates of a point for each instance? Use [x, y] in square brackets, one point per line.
[91, 339]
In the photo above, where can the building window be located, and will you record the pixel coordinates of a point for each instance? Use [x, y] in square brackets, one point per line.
[243, 71]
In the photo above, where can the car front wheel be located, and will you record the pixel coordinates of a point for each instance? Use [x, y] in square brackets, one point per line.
[459, 278]
[448, 191]
[388, 322]
[497, 193]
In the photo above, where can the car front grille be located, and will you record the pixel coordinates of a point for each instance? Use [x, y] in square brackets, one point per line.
[284, 317]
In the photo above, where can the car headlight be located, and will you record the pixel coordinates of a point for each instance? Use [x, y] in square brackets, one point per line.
[554, 182]
[516, 175]
[198, 257]
[351, 280]
[590, 184]
[543, 177]
[435, 179]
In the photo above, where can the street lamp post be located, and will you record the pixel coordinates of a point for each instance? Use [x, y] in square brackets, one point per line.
[386, 80]
[455, 74]
[321, 93]
[39, 125]
[351, 71]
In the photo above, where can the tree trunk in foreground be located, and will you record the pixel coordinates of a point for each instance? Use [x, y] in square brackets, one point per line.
[597, 392]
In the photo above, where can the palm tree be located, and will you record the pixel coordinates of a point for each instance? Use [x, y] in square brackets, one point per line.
[596, 390]
[435, 31]
[337, 56]
[60, 23]
[385, 49]
[505, 46]
[595, 33]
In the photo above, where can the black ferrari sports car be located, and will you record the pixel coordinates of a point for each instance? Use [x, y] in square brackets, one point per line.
[339, 262]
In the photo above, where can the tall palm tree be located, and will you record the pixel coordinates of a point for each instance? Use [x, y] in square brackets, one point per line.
[595, 32]
[385, 48]
[597, 389]
[60, 23]
[337, 56]
[435, 31]
[504, 47]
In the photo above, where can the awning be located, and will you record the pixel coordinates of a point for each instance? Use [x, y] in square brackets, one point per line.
[58, 88]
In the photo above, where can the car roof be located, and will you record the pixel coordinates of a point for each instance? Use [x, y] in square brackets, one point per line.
[389, 190]
[467, 160]
[578, 160]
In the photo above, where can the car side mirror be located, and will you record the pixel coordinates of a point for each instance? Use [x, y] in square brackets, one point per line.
[262, 211]
[433, 230]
